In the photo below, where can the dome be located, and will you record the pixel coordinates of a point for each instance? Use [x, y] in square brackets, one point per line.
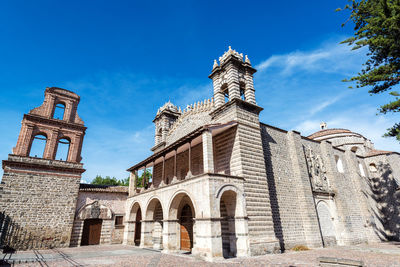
[327, 133]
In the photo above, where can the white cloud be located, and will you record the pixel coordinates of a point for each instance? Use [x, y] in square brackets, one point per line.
[325, 104]
[331, 57]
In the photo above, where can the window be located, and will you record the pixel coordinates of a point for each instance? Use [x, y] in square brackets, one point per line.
[354, 149]
[119, 220]
[361, 169]
[38, 146]
[59, 111]
[372, 167]
[62, 149]
[339, 164]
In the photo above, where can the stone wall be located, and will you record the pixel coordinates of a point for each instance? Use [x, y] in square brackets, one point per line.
[115, 203]
[247, 160]
[40, 200]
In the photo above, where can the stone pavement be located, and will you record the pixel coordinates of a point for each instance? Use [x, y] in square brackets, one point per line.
[382, 254]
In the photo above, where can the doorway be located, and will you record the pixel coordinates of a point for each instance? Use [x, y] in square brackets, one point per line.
[91, 232]
[186, 228]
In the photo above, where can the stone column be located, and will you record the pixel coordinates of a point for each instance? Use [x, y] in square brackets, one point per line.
[242, 236]
[170, 237]
[249, 90]
[24, 141]
[68, 111]
[145, 237]
[50, 150]
[73, 152]
[218, 95]
[50, 106]
[189, 174]
[233, 81]
[208, 160]
[132, 183]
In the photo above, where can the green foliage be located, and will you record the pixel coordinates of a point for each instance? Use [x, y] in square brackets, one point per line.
[377, 26]
[145, 175]
[110, 181]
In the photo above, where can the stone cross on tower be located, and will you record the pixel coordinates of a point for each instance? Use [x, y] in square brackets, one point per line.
[233, 78]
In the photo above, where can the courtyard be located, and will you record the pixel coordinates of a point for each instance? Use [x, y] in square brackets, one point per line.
[381, 254]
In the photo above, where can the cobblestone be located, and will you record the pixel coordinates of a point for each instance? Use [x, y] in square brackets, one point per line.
[381, 254]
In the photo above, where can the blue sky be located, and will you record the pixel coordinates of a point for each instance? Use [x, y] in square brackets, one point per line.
[127, 58]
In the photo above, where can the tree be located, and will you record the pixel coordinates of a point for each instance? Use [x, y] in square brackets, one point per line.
[145, 175]
[109, 181]
[377, 26]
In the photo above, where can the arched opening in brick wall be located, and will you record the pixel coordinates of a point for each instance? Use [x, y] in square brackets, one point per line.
[59, 110]
[228, 227]
[38, 146]
[63, 146]
[154, 224]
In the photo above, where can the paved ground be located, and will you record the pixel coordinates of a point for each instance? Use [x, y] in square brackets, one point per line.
[383, 254]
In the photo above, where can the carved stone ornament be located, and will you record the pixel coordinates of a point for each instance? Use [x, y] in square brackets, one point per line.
[317, 171]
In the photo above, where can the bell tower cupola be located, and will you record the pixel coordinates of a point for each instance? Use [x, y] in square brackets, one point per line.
[166, 116]
[233, 78]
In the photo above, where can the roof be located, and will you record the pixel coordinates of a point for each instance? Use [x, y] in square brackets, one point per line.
[103, 188]
[329, 132]
[375, 152]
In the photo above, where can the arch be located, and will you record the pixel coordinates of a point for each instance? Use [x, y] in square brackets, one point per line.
[63, 148]
[326, 224]
[339, 164]
[59, 110]
[174, 200]
[38, 145]
[182, 211]
[94, 210]
[227, 207]
[354, 149]
[135, 224]
[240, 200]
[154, 223]
[372, 167]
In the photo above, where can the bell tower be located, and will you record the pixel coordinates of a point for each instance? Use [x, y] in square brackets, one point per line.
[39, 191]
[166, 116]
[233, 78]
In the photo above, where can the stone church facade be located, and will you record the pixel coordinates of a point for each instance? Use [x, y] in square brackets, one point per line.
[223, 183]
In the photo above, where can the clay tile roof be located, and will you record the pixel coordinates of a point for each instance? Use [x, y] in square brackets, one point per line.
[328, 132]
[103, 188]
[377, 153]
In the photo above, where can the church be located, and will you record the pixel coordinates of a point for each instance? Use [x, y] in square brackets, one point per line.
[222, 184]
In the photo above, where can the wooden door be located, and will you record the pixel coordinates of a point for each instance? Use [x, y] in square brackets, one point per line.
[186, 228]
[91, 232]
